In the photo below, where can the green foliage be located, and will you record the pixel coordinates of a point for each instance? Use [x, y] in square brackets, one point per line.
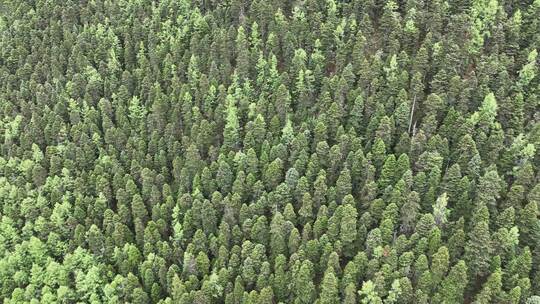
[269, 152]
[482, 15]
[368, 294]
[329, 289]
[440, 212]
[529, 70]
[453, 286]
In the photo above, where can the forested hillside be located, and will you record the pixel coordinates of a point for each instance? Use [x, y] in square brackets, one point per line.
[269, 151]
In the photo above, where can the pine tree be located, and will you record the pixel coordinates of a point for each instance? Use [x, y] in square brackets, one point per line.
[528, 224]
[304, 289]
[409, 212]
[281, 278]
[491, 289]
[453, 286]
[329, 289]
[306, 210]
[387, 172]
[489, 189]
[368, 294]
[231, 130]
[348, 231]
[277, 236]
[440, 212]
[439, 265]
[394, 293]
[242, 54]
[343, 184]
[478, 248]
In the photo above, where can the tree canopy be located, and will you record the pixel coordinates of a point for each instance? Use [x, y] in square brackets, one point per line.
[269, 151]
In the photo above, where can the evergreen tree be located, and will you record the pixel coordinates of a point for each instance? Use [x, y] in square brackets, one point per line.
[368, 294]
[453, 286]
[491, 288]
[329, 289]
[231, 131]
[304, 289]
[348, 231]
[478, 247]
[440, 211]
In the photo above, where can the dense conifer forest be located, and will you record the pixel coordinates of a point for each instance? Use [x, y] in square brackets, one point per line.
[269, 151]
